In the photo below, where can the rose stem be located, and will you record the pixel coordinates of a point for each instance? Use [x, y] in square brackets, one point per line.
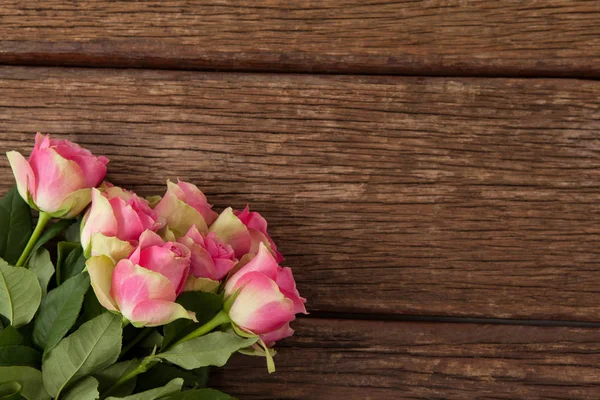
[41, 224]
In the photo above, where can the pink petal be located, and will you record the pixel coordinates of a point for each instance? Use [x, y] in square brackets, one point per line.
[255, 221]
[260, 307]
[149, 238]
[132, 284]
[128, 221]
[271, 337]
[93, 168]
[158, 312]
[56, 178]
[222, 267]
[263, 262]
[201, 263]
[252, 219]
[232, 231]
[23, 175]
[287, 286]
[195, 235]
[195, 198]
[165, 262]
[99, 218]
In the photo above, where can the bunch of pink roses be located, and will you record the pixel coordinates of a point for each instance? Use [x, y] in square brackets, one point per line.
[178, 283]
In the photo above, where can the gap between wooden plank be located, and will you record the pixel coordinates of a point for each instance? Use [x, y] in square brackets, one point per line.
[443, 319]
[43, 61]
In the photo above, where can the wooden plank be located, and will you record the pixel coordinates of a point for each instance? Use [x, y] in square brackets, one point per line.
[434, 37]
[347, 359]
[459, 197]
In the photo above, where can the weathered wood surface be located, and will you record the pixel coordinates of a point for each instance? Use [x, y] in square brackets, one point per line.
[376, 360]
[391, 195]
[434, 37]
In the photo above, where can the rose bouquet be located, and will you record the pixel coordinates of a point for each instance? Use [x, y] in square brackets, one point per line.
[112, 295]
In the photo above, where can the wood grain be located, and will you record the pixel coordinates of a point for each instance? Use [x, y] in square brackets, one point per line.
[370, 360]
[391, 195]
[434, 37]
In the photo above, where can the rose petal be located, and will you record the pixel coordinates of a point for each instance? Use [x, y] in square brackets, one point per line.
[263, 262]
[110, 246]
[271, 337]
[130, 225]
[260, 307]
[179, 216]
[195, 198]
[165, 262]
[287, 286]
[101, 273]
[56, 178]
[99, 218]
[232, 231]
[23, 176]
[158, 312]
[207, 285]
[133, 284]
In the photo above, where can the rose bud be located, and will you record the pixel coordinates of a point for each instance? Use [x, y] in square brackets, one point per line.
[184, 206]
[58, 176]
[143, 287]
[244, 231]
[115, 221]
[211, 260]
[266, 299]
[257, 226]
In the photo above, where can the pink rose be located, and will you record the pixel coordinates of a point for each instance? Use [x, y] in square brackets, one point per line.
[115, 221]
[211, 258]
[143, 287]
[244, 231]
[267, 299]
[184, 206]
[257, 226]
[58, 176]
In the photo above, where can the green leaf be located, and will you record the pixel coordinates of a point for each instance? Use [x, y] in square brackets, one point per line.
[85, 389]
[41, 265]
[30, 380]
[93, 347]
[74, 264]
[19, 355]
[204, 394]
[212, 349]
[59, 311]
[16, 225]
[20, 294]
[91, 306]
[50, 232]
[10, 391]
[109, 376]
[170, 388]
[70, 261]
[205, 305]
[10, 336]
[73, 231]
[160, 374]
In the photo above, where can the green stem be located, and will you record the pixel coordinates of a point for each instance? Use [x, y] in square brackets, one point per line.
[143, 366]
[221, 318]
[141, 336]
[152, 360]
[41, 224]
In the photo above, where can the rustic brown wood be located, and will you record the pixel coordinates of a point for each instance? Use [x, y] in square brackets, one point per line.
[436, 37]
[346, 359]
[460, 197]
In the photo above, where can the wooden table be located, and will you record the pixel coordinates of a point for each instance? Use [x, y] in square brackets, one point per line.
[430, 169]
